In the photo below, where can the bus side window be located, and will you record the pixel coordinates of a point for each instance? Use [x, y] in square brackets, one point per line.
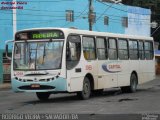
[141, 50]
[148, 50]
[73, 51]
[89, 49]
[133, 50]
[123, 49]
[112, 49]
[101, 48]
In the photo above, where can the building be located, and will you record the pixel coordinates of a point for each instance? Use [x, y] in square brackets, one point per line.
[154, 5]
[107, 17]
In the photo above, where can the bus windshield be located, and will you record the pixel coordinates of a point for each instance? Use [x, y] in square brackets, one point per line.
[37, 55]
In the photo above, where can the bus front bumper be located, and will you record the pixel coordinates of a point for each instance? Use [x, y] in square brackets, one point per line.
[57, 85]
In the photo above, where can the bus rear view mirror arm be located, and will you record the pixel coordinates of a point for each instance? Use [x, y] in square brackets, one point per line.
[6, 50]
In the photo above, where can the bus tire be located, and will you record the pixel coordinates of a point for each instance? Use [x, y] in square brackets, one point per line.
[43, 96]
[86, 91]
[133, 85]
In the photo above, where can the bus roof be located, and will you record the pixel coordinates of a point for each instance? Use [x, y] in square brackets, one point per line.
[87, 32]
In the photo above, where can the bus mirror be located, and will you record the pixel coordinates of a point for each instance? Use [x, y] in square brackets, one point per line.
[6, 50]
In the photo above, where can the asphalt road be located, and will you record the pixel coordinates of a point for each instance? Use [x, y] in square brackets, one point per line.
[112, 101]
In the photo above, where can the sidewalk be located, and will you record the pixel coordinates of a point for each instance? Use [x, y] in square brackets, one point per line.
[5, 86]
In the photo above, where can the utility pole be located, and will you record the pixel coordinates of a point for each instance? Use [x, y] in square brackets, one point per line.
[90, 15]
[14, 19]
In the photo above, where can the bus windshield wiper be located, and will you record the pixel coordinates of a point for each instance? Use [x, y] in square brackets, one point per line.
[44, 53]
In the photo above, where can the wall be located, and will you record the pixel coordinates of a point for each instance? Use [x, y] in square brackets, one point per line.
[138, 21]
[36, 14]
[52, 14]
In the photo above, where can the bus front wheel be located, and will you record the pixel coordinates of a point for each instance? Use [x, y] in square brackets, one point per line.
[43, 95]
[86, 91]
[133, 85]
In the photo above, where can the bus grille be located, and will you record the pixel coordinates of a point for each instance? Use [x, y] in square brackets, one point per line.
[40, 80]
[42, 87]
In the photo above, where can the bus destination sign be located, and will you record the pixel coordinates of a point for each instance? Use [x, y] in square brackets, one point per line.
[45, 34]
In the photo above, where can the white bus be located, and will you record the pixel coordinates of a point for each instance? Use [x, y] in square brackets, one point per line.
[57, 60]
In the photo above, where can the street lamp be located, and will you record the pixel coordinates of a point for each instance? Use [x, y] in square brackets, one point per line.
[154, 24]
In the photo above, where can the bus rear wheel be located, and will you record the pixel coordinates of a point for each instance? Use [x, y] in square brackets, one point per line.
[86, 91]
[43, 96]
[133, 85]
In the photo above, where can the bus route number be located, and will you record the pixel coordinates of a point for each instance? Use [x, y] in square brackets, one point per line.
[88, 67]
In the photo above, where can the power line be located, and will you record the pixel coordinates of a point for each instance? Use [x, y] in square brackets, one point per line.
[64, 11]
[109, 6]
[132, 23]
[33, 23]
[50, 21]
[104, 12]
[37, 10]
[135, 19]
[30, 20]
[155, 31]
[73, 0]
[121, 9]
[123, 16]
[64, 19]
[138, 20]
[77, 17]
[77, 12]
[32, 14]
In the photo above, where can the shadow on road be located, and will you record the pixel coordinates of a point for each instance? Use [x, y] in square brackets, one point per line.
[70, 98]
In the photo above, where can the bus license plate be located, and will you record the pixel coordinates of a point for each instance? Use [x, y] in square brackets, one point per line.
[35, 86]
